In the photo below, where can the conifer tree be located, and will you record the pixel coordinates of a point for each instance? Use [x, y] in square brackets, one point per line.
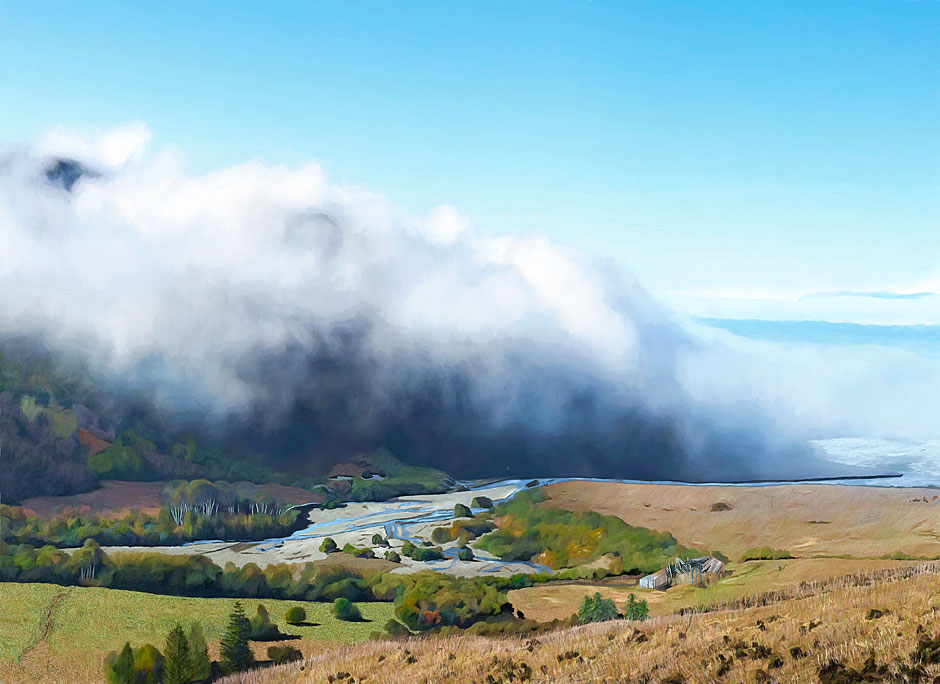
[119, 669]
[236, 653]
[176, 657]
[200, 667]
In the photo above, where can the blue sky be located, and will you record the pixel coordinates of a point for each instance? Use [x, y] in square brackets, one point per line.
[725, 152]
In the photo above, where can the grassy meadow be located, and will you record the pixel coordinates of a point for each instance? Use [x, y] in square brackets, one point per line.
[52, 634]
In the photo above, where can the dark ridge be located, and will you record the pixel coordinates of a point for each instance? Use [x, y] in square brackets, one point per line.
[67, 172]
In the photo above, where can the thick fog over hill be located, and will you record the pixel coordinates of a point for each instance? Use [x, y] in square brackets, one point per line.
[306, 322]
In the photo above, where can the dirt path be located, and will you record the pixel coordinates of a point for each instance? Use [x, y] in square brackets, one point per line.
[46, 624]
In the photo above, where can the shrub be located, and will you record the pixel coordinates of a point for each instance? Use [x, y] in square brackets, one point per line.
[431, 599]
[284, 654]
[142, 665]
[262, 628]
[428, 554]
[295, 615]
[379, 540]
[597, 609]
[328, 546]
[392, 556]
[421, 554]
[440, 535]
[765, 553]
[481, 502]
[461, 511]
[720, 506]
[396, 629]
[344, 609]
[119, 667]
[465, 554]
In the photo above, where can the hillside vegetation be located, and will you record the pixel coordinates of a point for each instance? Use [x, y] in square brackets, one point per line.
[557, 538]
[806, 520]
[876, 628]
[62, 434]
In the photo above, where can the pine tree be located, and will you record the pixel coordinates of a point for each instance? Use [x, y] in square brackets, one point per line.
[119, 669]
[176, 657]
[236, 654]
[200, 667]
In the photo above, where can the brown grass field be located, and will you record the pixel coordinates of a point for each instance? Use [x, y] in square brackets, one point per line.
[831, 530]
[808, 519]
[836, 625]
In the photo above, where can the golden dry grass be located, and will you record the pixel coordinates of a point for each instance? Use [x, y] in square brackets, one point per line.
[831, 622]
[806, 519]
[547, 602]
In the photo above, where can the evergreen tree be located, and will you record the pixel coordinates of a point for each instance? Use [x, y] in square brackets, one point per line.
[597, 609]
[176, 657]
[636, 610]
[236, 653]
[119, 668]
[200, 667]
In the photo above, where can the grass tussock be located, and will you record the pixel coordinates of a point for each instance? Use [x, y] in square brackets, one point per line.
[823, 635]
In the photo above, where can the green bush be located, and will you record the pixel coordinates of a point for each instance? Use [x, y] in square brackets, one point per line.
[597, 609]
[440, 535]
[392, 556]
[379, 540]
[328, 546]
[465, 554]
[262, 627]
[461, 511]
[295, 615]
[396, 629]
[430, 599]
[765, 553]
[422, 554]
[284, 654]
[358, 552]
[346, 610]
[142, 665]
[481, 502]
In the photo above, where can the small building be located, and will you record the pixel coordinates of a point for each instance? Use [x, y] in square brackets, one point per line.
[658, 580]
[691, 571]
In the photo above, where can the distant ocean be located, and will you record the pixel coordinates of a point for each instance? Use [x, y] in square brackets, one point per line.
[917, 461]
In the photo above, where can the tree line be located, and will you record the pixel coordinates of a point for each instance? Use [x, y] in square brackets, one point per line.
[244, 521]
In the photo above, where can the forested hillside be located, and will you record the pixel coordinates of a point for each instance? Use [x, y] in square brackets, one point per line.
[63, 431]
